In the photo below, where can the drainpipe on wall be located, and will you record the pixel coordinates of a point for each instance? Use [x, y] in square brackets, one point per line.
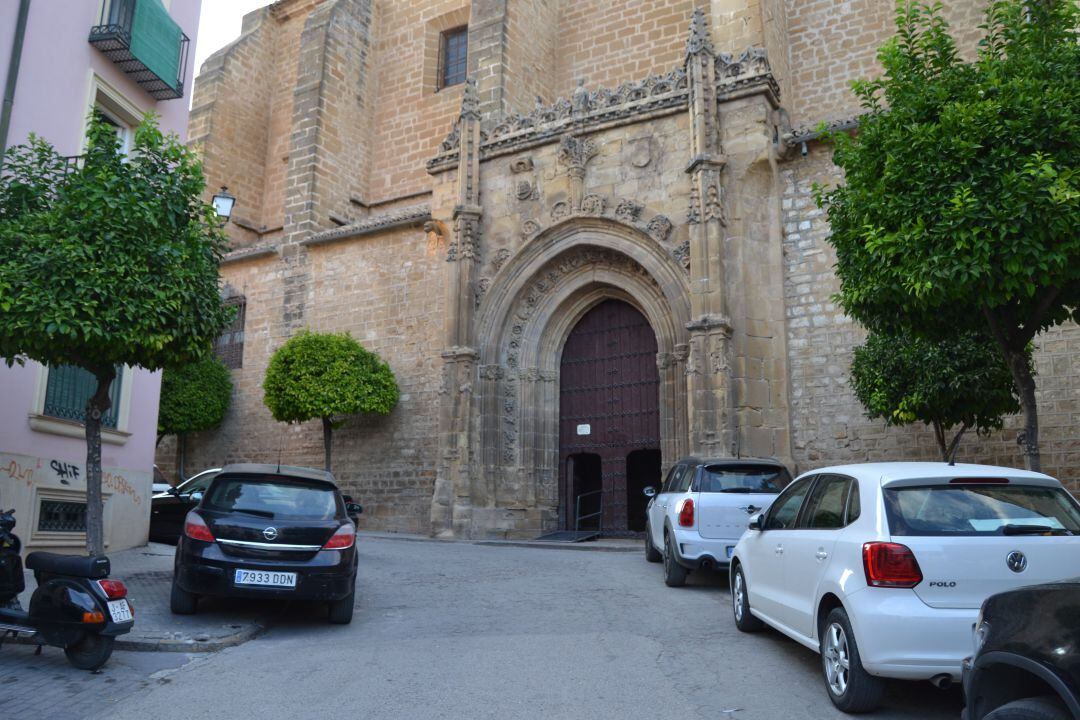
[12, 76]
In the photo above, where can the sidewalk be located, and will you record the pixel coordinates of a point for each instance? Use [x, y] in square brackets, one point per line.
[147, 572]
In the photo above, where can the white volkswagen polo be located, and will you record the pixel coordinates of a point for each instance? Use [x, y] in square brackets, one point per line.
[882, 567]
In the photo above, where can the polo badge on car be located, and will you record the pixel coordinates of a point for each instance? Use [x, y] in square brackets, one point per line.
[270, 533]
[1016, 561]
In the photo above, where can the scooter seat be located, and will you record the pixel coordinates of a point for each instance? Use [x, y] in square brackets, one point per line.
[74, 565]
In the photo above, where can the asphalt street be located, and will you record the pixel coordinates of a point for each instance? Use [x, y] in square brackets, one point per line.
[463, 631]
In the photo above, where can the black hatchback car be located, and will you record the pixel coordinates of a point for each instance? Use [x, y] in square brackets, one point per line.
[269, 531]
[1027, 655]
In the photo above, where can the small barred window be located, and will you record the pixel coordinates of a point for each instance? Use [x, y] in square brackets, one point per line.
[453, 53]
[230, 344]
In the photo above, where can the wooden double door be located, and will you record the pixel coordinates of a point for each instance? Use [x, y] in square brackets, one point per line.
[609, 420]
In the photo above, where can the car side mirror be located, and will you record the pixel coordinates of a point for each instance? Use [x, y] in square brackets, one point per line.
[196, 497]
[352, 508]
[173, 491]
[649, 491]
[757, 522]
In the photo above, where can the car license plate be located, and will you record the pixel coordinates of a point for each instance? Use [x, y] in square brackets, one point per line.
[265, 577]
[120, 611]
[730, 551]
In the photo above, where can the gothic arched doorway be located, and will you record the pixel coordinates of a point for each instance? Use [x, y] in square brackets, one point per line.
[609, 406]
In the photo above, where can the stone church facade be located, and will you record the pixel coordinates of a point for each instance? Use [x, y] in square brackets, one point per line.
[595, 255]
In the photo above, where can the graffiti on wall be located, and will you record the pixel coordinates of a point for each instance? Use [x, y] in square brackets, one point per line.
[30, 471]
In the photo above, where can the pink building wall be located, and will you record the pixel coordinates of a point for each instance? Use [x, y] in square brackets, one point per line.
[52, 99]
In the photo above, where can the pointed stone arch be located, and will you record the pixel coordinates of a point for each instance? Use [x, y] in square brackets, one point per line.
[533, 304]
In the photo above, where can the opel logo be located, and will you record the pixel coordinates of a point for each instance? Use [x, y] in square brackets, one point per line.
[270, 533]
[1016, 561]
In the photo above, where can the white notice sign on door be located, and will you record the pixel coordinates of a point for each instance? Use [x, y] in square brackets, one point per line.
[584, 429]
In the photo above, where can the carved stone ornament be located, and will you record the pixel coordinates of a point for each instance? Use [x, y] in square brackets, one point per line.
[482, 286]
[470, 100]
[641, 151]
[560, 210]
[529, 228]
[753, 61]
[682, 255]
[466, 242]
[500, 259]
[593, 205]
[714, 210]
[491, 372]
[699, 42]
[693, 212]
[521, 165]
[524, 190]
[628, 211]
[718, 361]
[659, 228]
[576, 152]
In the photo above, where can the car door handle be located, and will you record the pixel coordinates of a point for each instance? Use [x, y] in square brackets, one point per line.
[779, 549]
[821, 555]
[749, 509]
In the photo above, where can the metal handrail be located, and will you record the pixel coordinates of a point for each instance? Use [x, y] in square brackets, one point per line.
[578, 517]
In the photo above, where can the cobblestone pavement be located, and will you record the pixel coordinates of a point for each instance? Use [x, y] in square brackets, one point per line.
[457, 631]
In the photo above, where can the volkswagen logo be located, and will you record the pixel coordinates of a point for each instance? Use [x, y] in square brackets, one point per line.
[1016, 561]
[270, 533]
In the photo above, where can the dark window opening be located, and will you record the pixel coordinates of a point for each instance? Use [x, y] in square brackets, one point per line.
[230, 344]
[453, 52]
[57, 516]
[642, 470]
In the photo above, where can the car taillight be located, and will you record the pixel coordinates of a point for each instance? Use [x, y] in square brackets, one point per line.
[196, 529]
[686, 514]
[890, 565]
[113, 589]
[343, 538]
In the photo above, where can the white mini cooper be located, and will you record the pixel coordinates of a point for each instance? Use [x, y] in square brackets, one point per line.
[701, 511]
[882, 568]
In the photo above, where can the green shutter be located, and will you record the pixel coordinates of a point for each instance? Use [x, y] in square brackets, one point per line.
[69, 388]
[155, 41]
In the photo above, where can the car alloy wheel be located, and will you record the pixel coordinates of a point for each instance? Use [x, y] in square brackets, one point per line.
[737, 596]
[837, 660]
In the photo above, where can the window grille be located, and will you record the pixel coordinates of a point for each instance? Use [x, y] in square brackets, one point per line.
[69, 387]
[59, 516]
[230, 344]
[453, 53]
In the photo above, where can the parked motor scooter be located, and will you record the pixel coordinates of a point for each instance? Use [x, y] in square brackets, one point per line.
[75, 605]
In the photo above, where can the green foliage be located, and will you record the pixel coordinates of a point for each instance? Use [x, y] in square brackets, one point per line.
[111, 262]
[316, 375]
[194, 397]
[962, 381]
[962, 186]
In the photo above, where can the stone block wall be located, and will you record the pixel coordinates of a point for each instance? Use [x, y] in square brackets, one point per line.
[608, 43]
[828, 422]
[833, 42]
[410, 117]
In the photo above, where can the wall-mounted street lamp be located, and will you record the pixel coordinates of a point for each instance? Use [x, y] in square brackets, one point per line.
[223, 204]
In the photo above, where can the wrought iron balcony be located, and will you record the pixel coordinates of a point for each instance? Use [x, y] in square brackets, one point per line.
[142, 39]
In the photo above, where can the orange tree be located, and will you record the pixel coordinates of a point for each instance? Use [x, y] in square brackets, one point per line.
[961, 195]
[107, 262]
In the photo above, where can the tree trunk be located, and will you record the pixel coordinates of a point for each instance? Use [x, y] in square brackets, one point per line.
[939, 436]
[1025, 383]
[951, 454]
[327, 435]
[96, 407]
[1014, 350]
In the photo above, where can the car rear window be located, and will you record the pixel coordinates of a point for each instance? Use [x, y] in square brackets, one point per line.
[980, 510]
[744, 479]
[272, 496]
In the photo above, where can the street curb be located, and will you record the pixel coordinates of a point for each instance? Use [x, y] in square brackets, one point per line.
[168, 645]
[586, 546]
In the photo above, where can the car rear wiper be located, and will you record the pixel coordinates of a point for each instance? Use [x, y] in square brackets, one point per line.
[738, 490]
[253, 511]
[1012, 529]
